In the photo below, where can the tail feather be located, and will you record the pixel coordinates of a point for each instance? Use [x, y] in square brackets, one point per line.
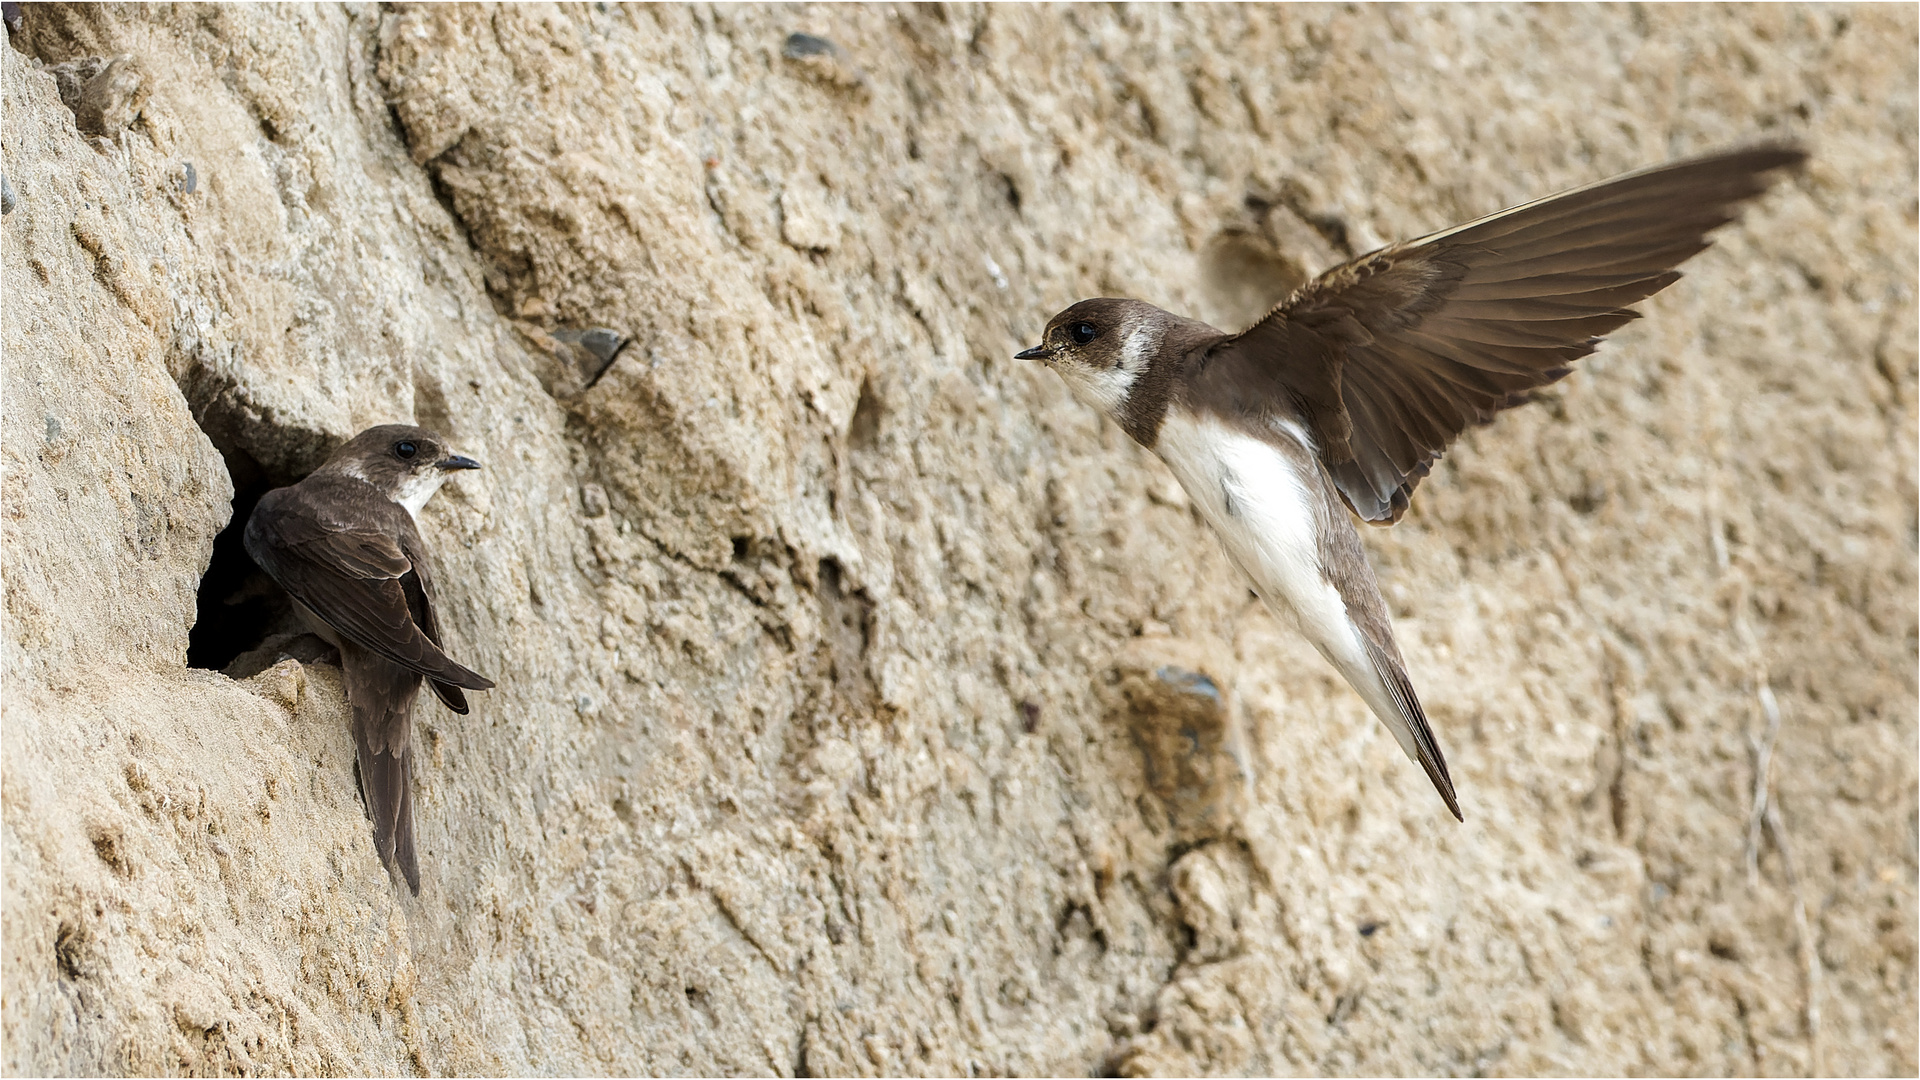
[387, 783]
[1417, 737]
[381, 694]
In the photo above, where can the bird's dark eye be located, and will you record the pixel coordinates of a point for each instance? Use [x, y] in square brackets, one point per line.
[1082, 333]
[404, 450]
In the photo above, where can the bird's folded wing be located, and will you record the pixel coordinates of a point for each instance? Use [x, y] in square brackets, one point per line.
[354, 575]
[1389, 357]
[419, 591]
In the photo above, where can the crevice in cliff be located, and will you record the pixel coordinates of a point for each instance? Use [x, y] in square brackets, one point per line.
[237, 607]
[848, 619]
[239, 611]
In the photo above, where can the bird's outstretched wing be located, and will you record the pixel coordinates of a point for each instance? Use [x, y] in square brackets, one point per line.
[359, 571]
[1389, 357]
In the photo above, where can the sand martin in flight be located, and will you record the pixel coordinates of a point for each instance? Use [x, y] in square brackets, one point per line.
[1342, 396]
[344, 545]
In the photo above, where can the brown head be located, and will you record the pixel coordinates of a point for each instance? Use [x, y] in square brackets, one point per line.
[405, 463]
[1121, 357]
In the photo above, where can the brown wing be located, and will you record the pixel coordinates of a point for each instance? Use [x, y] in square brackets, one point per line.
[1392, 355]
[344, 556]
[418, 586]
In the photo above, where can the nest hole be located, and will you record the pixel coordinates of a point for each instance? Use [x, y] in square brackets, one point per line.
[238, 608]
[1244, 276]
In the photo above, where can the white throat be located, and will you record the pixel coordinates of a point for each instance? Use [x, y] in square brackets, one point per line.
[417, 488]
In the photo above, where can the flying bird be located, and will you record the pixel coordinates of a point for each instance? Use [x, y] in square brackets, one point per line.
[344, 545]
[1342, 397]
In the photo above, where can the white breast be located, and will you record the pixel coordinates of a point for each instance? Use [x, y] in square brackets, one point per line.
[1260, 505]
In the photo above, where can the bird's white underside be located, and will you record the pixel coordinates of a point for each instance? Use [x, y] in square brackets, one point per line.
[1260, 506]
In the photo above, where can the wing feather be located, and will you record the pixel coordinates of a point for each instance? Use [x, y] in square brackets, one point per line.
[419, 590]
[1389, 357]
[1585, 291]
[353, 573]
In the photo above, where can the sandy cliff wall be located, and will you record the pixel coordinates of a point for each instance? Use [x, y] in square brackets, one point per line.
[865, 704]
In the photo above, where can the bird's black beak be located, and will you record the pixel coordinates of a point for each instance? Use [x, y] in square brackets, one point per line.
[1038, 352]
[456, 461]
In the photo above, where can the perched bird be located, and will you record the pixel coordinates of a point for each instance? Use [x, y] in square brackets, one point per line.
[344, 546]
[1343, 395]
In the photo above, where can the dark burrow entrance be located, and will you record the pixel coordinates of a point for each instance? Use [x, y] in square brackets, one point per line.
[243, 621]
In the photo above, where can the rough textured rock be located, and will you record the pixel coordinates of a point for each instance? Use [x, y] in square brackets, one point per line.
[866, 705]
